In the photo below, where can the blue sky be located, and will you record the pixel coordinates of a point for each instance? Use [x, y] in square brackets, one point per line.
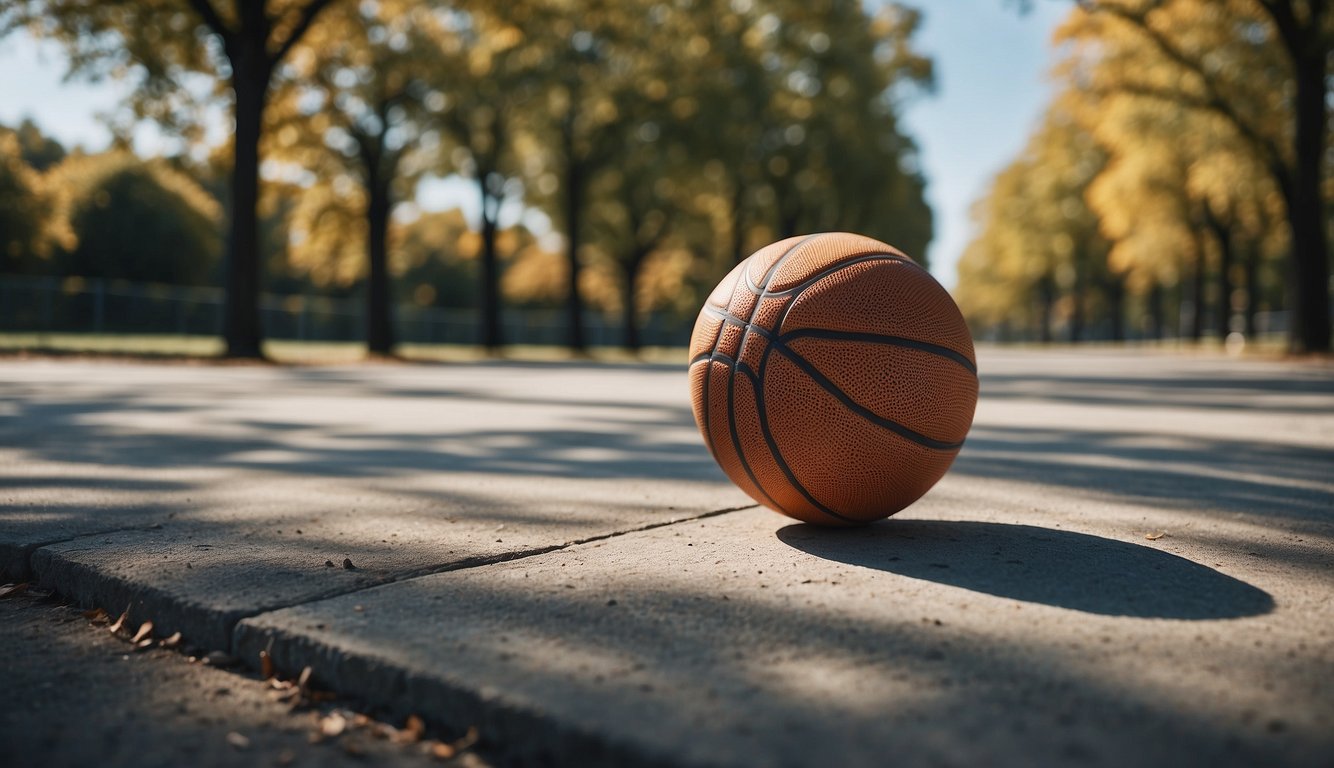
[991, 65]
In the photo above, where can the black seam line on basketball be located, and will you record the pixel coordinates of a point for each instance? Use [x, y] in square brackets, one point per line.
[707, 428]
[741, 346]
[736, 436]
[876, 338]
[831, 269]
[773, 443]
[834, 390]
[708, 375]
[759, 389]
[858, 408]
[728, 317]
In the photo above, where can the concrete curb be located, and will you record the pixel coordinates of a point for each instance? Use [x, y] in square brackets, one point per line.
[89, 586]
[520, 731]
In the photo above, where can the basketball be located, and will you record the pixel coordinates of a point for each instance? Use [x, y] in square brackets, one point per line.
[832, 378]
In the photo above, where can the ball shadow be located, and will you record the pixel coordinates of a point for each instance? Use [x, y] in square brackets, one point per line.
[1052, 567]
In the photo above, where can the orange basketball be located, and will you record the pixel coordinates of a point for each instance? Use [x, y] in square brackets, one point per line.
[832, 378]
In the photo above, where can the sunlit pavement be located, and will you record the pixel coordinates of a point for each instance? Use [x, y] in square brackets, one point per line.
[1132, 561]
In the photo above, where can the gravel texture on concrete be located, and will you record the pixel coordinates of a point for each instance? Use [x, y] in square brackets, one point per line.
[1131, 561]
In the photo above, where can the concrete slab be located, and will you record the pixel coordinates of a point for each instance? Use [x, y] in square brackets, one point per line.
[1129, 564]
[993, 638]
[206, 495]
[199, 494]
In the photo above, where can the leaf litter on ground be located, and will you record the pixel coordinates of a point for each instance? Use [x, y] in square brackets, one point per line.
[145, 631]
[13, 590]
[120, 623]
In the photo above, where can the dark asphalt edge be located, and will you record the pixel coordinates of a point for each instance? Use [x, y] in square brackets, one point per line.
[519, 731]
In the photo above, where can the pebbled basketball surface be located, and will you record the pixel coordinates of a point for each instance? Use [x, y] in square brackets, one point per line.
[832, 378]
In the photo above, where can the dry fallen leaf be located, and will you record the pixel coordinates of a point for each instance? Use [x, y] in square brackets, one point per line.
[13, 590]
[470, 738]
[1154, 536]
[97, 616]
[120, 623]
[411, 733]
[172, 641]
[238, 740]
[145, 630]
[442, 751]
[333, 724]
[266, 665]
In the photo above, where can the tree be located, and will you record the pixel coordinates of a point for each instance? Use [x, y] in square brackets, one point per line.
[804, 117]
[23, 209]
[492, 76]
[1039, 260]
[38, 150]
[355, 107]
[584, 107]
[240, 43]
[1220, 54]
[117, 216]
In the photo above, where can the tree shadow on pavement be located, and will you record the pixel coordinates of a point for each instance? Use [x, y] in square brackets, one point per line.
[1039, 565]
[1254, 477]
[1287, 391]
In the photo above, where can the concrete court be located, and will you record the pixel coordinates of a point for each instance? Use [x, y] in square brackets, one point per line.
[1132, 560]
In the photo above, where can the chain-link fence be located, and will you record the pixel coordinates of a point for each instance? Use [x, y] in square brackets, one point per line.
[78, 305]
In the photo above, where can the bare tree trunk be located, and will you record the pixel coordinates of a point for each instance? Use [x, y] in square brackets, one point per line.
[630, 299]
[1077, 299]
[1157, 313]
[574, 192]
[1116, 306]
[1306, 207]
[379, 311]
[1195, 329]
[1224, 319]
[631, 304]
[1251, 264]
[241, 324]
[492, 336]
[1047, 295]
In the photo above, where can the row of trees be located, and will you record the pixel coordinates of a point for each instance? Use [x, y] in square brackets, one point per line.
[1180, 173]
[113, 215]
[665, 140]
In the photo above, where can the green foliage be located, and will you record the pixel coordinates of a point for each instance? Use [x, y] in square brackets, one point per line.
[23, 209]
[120, 217]
[664, 140]
[37, 150]
[1183, 111]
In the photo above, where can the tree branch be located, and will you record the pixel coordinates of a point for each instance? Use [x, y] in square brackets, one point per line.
[1270, 154]
[209, 15]
[1281, 13]
[1213, 101]
[308, 14]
